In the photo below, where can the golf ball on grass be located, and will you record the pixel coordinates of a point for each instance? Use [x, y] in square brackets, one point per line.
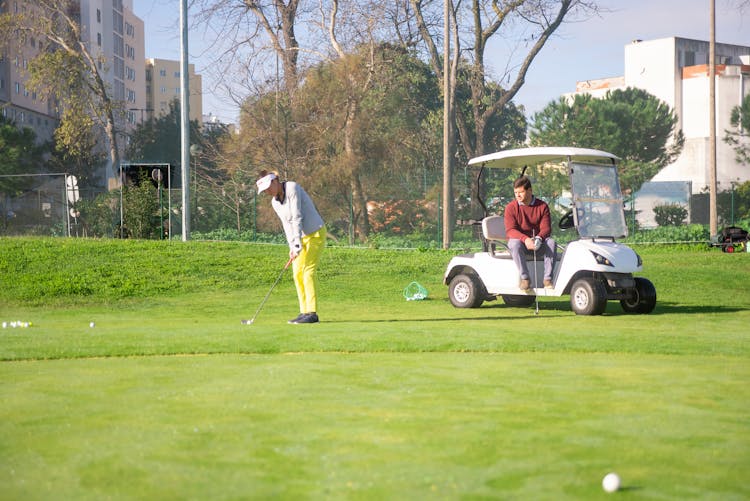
[92, 324]
[611, 482]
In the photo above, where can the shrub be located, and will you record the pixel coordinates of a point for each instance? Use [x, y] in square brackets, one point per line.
[670, 214]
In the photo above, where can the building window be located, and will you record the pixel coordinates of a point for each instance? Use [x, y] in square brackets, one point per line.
[163, 89]
[99, 39]
[18, 87]
[98, 15]
[162, 72]
[177, 74]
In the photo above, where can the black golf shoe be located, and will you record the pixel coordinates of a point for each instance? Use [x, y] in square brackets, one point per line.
[297, 319]
[308, 318]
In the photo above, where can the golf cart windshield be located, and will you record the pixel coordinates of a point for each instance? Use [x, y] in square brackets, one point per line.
[597, 201]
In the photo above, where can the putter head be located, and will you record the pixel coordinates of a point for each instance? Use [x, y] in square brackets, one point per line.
[247, 322]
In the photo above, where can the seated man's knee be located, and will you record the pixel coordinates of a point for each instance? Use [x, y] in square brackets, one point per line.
[515, 244]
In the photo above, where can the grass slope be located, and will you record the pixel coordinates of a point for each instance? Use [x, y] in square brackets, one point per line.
[169, 397]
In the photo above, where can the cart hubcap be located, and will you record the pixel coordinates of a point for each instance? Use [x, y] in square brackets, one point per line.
[581, 298]
[461, 292]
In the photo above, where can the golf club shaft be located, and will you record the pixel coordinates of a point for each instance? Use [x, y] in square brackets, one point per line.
[536, 297]
[271, 289]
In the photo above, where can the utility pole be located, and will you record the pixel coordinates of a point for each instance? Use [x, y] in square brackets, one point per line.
[713, 216]
[185, 121]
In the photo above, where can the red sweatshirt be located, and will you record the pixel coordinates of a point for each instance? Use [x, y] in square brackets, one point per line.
[523, 220]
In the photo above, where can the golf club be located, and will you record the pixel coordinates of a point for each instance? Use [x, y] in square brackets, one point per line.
[536, 297]
[250, 322]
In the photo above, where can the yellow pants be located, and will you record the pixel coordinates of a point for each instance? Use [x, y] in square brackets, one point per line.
[305, 268]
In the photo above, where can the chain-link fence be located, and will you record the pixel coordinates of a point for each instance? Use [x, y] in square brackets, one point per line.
[150, 206]
[38, 204]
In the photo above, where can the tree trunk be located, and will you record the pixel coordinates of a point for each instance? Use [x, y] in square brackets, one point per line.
[359, 200]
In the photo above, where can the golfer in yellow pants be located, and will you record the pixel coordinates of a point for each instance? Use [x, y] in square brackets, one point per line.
[306, 234]
[304, 269]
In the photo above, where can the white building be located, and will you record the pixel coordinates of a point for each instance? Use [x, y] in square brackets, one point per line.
[164, 86]
[676, 71]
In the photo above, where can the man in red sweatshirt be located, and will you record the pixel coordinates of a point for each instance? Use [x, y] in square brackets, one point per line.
[528, 227]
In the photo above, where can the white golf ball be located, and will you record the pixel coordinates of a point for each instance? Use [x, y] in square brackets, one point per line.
[5, 325]
[92, 325]
[611, 482]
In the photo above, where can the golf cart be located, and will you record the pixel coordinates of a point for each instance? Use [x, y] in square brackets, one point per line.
[592, 269]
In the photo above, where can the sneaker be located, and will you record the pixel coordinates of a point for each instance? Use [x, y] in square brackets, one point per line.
[297, 319]
[548, 284]
[308, 318]
[525, 284]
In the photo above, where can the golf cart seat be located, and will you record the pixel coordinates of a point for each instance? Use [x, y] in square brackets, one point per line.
[493, 231]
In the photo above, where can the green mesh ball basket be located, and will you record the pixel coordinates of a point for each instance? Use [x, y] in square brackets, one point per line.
[415, 292]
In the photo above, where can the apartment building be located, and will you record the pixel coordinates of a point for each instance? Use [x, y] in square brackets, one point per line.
[163, 87]
[17, 102]
[114, 36]
[676, 71]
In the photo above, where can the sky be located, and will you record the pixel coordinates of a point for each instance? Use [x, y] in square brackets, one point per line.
[584, 50]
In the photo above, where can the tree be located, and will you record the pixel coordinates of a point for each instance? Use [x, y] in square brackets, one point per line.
[631, 123]
[540, 18]
[487, 100]
[19, 154]
[382, 145]
[65, 70]
[158, 141]
[737, 138]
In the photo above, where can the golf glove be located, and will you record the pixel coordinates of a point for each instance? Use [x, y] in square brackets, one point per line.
[537, 243]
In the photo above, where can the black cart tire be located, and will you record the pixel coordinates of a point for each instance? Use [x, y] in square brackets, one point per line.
[466, 291]
[588, 297]
[643, 299]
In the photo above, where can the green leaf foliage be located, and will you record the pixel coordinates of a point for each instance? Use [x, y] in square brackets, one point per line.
[737, 136]
[631, 123]
[19, 154]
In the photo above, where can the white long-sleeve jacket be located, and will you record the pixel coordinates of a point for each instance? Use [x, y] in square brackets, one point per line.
[297, 213]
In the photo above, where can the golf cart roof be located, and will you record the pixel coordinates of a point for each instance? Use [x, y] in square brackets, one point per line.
[520, 157]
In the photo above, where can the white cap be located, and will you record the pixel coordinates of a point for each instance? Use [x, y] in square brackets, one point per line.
[264, 182]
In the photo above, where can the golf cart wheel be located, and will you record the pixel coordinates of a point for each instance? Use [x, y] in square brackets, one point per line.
[517, 300]
[643, 298]
[466, 291]
[588, 297]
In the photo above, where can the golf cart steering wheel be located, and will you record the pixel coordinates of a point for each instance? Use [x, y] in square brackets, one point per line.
[567, 220]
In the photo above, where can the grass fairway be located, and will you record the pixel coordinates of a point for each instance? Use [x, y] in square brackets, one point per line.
[169, 397]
